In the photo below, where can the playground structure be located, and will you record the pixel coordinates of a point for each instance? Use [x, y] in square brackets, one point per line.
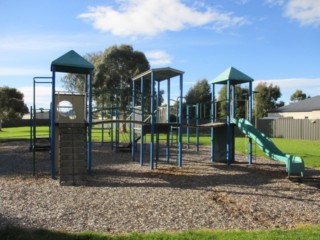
[156, 76]
[71, 121]
[70, 118]
[231, 77]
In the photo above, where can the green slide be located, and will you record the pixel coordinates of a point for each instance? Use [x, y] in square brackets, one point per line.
[294, 164]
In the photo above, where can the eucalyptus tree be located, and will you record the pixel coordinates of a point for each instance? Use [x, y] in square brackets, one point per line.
[266, 97]
[12, 106]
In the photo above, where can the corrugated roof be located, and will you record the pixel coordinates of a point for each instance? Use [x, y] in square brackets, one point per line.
[307, 105]
[159, 74]
[72, 62]
[234, 75]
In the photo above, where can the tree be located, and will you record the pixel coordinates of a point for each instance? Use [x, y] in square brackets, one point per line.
[241, 96]
[12, 106]
[297, 96]
[114, 71]
[199, 93]
[266, 98]
[75, 82]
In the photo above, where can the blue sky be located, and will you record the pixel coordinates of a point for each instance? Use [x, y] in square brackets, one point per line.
[276, 41]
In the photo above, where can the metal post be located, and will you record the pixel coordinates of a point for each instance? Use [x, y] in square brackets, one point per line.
[188, 129]
[250, 120]
[168, 100]
[228, 124]
[233, 115]
[133, 150]
[52, 124]
[90, 124]
[233, 109]
[152, 123]
[180, 123]
[157, 121]
[168, 121]
[117, 129]
[102, 117]
[197, 124]
[111, 131]
[142, 120]
[212, 116]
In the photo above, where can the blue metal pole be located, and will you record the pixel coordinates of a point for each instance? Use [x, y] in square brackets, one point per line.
[90, 124]
[52, 123]
[133, 150]
[112, 114]
[142, 120]
[212, 120]
[180, 122]
[168, 121]
[228, 124]
[197, 124]
[188, 129]
[233, 115]
[250, 120]
[157, 121]
[152, 123]
[117, 129]
[34, 113]
[233, 101]
[168, 100]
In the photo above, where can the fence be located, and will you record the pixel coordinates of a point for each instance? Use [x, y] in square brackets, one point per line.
[24, 122]
[304, 129]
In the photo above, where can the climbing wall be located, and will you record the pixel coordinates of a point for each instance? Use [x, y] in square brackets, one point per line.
[72, 153]
[71, 139]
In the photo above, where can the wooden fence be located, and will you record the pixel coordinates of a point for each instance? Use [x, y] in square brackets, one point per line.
[305, 129]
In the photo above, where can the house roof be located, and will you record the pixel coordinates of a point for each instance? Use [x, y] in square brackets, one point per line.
[307, 105]
[233, 75]
[71, 62]
[159, 74]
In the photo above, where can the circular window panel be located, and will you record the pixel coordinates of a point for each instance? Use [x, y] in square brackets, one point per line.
[65, 109]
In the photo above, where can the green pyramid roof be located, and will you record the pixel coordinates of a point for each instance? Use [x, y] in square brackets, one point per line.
[71, 62]
[234, 75]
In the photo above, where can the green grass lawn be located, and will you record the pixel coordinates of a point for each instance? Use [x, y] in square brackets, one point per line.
[308, 150]
[21, 133]
[310, 233]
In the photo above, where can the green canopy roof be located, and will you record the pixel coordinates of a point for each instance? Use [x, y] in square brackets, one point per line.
[233, 75]
[71, 62]
[159, 74]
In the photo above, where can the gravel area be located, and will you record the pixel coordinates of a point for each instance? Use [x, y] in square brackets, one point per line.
[121, 196]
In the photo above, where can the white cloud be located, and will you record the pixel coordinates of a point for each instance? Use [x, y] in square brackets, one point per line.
[307, 12]
[242, 2]
[310, 86]
[272, 3]
[135, 18]
[159, 58]
[43, 96]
